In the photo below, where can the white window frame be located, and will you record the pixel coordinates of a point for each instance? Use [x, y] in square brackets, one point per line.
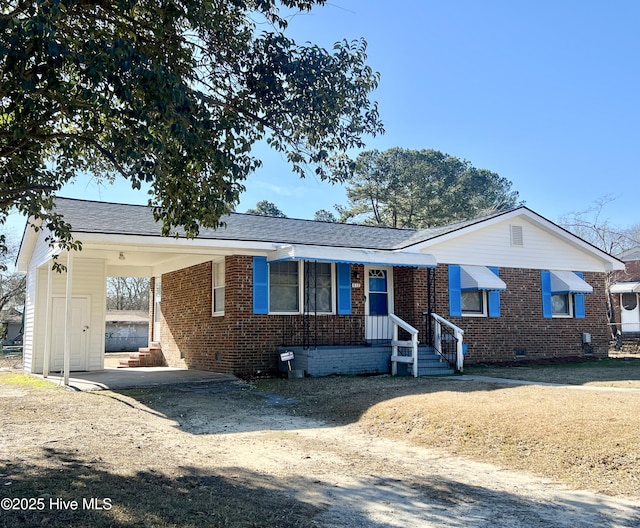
[485, 304]
[570, 301]
[215, 286]
[157, 307]
[301, 292]
[292, 312]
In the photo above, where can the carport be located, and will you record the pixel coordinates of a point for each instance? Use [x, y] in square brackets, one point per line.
[132, 378]
[65, 312]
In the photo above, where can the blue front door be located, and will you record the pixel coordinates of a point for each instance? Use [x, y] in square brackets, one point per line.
[379, 303]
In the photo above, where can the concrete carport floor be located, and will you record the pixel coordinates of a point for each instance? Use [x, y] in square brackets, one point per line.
[130, 378]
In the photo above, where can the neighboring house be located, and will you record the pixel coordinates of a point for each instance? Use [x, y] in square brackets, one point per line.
[625, 296]
[126, 330]
[11, 331]
[232, 299]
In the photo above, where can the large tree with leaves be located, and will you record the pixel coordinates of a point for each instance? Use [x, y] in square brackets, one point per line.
[421, 188]
[266, 208]
[173, 93]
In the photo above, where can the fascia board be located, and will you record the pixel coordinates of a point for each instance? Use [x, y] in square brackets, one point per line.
[96, 240]
[27, 245]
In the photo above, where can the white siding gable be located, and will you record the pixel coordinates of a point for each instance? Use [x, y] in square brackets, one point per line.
[533, 247]
[42, 251]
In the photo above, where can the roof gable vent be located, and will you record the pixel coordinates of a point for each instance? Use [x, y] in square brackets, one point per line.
[517, 238]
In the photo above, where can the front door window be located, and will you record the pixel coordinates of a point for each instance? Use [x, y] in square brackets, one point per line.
[629, 301]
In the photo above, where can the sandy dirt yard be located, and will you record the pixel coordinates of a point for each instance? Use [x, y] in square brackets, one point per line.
[227, 454]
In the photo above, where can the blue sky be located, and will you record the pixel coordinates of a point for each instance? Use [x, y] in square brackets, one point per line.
[544, 93]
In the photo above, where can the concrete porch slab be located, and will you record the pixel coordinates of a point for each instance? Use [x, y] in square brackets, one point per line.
[131, 378]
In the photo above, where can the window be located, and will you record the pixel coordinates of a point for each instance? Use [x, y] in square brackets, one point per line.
[317, 285]
[295, 286]
[474, 302]
[474, 291]
[563, 294]
[284, 287]
[157, 307]
[561, 305]
[218, 287]
[629, 301]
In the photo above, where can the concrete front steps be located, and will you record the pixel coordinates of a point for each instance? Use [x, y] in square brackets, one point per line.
[429, 364]
[150, 356]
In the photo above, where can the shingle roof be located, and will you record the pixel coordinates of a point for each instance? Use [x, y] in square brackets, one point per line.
[422, 235]
[111, 218]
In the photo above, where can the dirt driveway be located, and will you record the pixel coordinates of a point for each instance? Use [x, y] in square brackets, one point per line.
[225, 454]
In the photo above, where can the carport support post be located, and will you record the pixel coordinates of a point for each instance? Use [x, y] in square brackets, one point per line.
[68, 318]
[47, 324]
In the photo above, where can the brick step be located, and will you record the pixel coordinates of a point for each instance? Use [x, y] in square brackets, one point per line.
[150, 356]
[130, 362]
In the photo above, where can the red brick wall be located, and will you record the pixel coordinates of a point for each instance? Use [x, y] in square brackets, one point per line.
[241, 342]
[631, 271]
[410, 296]
[521, 325]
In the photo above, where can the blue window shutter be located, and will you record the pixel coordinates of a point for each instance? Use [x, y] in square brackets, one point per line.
[455, 293]
[344, 288]
[260, 285]
[494, 297]
[545, 278]
[578, 302]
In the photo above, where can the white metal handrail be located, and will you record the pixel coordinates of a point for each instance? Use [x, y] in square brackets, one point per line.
[395, 344]
[458, 333]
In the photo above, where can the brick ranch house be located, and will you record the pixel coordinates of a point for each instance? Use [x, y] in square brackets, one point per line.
[625, 298]
[344, 298]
